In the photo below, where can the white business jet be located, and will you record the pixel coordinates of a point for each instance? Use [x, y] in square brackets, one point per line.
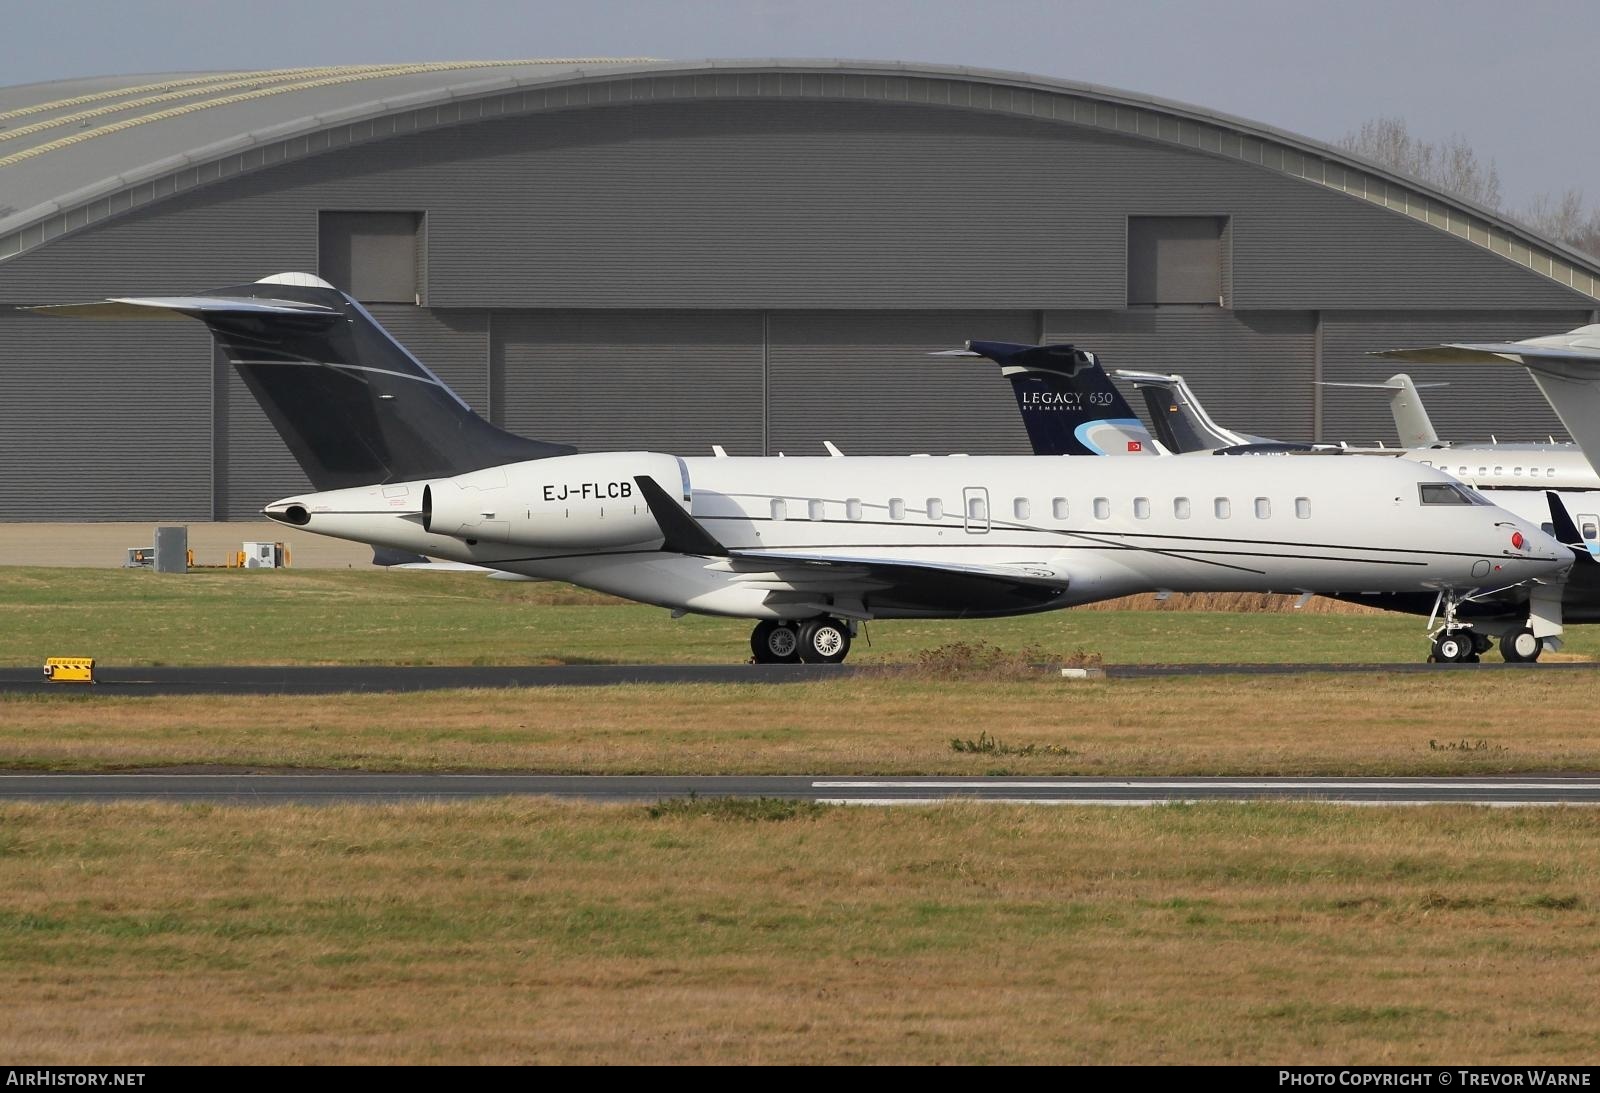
[810, 547]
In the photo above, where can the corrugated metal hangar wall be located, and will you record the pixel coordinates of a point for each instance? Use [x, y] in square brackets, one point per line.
[763, 275]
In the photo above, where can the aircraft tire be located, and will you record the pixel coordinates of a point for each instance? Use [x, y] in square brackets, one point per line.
[775, 643]
[1454, 647]
[824, 641]
[1521, 646]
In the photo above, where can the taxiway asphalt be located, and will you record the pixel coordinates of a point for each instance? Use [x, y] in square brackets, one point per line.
[361, 787]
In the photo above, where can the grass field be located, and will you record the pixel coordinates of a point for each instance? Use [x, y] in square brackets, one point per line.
[135, 617]
[704, 932]
[902, 721]
[527, 931]
[1502, 723]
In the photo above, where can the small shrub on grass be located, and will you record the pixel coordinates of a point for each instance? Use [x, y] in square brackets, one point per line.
[988, 745]
[1463, 745]
[750, 809]
[980, 660]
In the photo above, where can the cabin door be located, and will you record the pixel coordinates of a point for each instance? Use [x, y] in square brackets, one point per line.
[975, 509]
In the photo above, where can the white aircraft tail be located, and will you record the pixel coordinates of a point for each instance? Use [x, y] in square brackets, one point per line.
[1565, 366]
[1411, 419]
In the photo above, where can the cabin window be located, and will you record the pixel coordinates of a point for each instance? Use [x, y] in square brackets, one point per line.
[1499, 470]
[1181, 508]
[1141, 508]
[1102, 508]
[897, 508]
[1533, 472]
[1223, 508]
[817, 510]
[1263, 509]
[1516, 472]
[1549, 472]
[1462, 473]
[852, 508]
[935, 509]
[1302, 507]
[1443, 493]
[1483, 472]
[977, 508]
[1058, 508]
[1021, 509]
[1590, 530]
[780, 509]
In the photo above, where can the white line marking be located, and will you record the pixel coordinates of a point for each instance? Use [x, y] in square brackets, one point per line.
[986, 783]
[1157, 802]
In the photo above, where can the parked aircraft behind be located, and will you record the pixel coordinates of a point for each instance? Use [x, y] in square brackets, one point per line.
[812, 547]
[1526, 624]
[1183, 426]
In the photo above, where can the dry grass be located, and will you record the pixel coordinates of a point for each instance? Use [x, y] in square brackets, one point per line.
[1234, 602]
[1315, 724]
[530, 932]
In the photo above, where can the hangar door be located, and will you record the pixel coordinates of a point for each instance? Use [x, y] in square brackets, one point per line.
[865, 381]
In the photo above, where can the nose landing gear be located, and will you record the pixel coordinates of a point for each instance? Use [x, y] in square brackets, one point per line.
[1453, 642]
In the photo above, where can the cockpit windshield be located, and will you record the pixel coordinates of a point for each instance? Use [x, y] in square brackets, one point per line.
[1449, 493]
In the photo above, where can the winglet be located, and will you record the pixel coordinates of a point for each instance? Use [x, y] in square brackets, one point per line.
[682, 533]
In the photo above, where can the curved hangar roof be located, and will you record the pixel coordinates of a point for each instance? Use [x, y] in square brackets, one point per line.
[79, 151]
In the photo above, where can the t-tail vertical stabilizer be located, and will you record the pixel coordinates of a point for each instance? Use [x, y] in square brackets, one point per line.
[1068, 403]
[351, 403]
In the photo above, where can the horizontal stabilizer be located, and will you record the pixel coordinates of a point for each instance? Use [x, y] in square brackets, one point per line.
[180, 307]
[1386, 385]
[681, 533]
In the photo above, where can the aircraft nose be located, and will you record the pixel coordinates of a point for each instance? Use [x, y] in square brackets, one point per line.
[1536, 547]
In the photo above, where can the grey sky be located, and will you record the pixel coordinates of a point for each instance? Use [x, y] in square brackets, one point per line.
[1513, 79]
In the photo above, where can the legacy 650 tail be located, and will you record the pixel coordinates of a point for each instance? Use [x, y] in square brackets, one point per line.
[400, 462]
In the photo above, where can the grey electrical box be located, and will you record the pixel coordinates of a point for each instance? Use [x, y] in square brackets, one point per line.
[172, 550]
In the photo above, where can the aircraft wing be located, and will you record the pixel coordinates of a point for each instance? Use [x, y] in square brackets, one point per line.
[811, 578]
[1566, 367]
[179, 307]
[1489, 353]
[805, 577]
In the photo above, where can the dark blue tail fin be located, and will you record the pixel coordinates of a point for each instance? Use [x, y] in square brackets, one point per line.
[354, 407]
[1068, 403]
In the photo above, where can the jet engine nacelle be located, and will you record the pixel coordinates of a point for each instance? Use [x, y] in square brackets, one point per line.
[576, 501]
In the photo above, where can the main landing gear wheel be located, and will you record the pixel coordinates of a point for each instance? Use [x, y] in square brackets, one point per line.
[1455, 647]
[1521, 646]
[775, 643]
[824, 641]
